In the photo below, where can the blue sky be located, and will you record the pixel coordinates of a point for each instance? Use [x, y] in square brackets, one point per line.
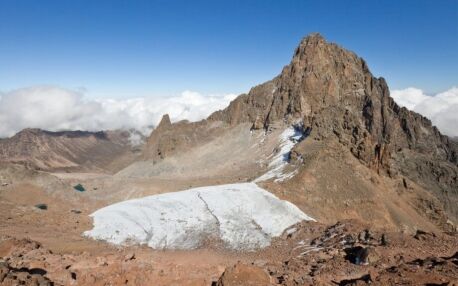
[160, 48]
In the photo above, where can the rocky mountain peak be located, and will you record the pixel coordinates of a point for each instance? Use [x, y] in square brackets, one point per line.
[331, 91]
[320, 75]
[165, 121]
[311, 40]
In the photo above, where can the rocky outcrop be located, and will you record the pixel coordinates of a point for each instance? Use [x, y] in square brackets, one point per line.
[349, 253]
[168, 139]
[241, 274]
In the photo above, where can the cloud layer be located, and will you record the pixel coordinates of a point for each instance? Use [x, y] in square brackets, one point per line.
[53, 108]
[441, 108]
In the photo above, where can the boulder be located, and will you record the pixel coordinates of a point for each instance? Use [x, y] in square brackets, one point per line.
[241, 274]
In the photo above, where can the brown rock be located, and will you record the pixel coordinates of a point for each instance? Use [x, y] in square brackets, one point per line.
[423, 235]
[241, 274]
[69, 150]
[129, 256]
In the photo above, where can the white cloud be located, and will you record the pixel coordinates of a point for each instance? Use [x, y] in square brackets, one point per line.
[409, 97]
[54, 108]
[441, 108]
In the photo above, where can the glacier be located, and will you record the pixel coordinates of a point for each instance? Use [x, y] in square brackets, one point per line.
[243, 216]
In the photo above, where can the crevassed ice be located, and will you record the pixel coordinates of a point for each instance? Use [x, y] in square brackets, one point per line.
[280, 160]
[244, 216]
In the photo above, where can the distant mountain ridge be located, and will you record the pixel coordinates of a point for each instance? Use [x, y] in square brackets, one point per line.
[66, 150]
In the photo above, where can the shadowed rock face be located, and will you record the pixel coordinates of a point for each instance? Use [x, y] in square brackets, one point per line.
[331, 91]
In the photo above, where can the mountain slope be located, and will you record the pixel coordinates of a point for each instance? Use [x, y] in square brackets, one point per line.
[331, 93]
[68, 150]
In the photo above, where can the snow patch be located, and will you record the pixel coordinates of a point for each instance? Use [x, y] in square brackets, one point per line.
[244, 216]
[280, 159]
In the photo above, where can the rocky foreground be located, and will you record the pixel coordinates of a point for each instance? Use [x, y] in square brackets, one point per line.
[309, 253]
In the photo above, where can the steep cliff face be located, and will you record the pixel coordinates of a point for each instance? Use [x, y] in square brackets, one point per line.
[332, 91]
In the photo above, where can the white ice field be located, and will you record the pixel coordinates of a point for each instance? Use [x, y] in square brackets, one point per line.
[243, 216]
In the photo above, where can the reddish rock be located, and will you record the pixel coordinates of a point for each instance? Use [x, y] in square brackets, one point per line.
[244, 275]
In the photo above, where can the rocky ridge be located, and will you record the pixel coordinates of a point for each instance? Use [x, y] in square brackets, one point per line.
[67, 150]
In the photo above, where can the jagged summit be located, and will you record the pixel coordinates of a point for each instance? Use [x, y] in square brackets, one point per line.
[165, 121]
[312, 38]
[309, 42]
[319, 74]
